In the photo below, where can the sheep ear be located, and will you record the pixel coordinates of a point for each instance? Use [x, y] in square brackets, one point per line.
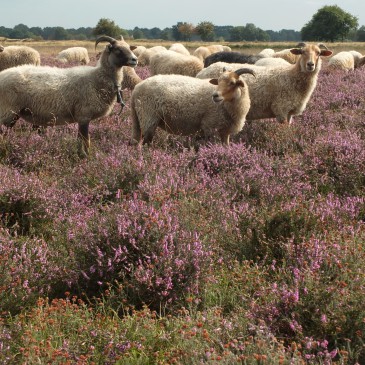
[326, 52]
[214, 81]
[132, 47]
[296, 51]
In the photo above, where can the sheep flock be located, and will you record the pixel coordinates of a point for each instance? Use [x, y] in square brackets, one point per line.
[188, 92]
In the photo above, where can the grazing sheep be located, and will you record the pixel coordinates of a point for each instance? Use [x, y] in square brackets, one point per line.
[231, 57]
[345, 61]
[74, 54]
[170, 62]
[183, 105]
[272, 62]
[48, 96]
[18, 55]
[144, 57]
[283, 92]
[216, 69]
[179, 48]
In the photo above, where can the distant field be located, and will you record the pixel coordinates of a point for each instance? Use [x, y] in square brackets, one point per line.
[53, 47]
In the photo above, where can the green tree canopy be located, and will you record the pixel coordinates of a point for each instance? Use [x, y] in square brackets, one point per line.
[107, 27]
[206, 31]
[330, 23]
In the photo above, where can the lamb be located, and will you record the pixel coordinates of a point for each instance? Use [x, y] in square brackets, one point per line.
[183, 105]
[48, 96]
[231, 57]
[170, 62]
[11, 56]
[74, 54]
[179, 48]
[144, 57]
[346, 61]
[284, 92]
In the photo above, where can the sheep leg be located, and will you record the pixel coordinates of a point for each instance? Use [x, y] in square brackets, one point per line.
[84, 139]
[149, 133]
[224, 137]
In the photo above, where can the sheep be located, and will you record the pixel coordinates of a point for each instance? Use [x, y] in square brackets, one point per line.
[170, 62]
[139, 50]
[287, 55]
[267, 52]
[284, 92]
[144, 57]
[346, 61]
[203, 52]
[130, 78]
[11, 56]
[74, 54]
[48, 96]
[272, 62]
[179, 48]
[183, 105]
[216, 69]
[230, 57]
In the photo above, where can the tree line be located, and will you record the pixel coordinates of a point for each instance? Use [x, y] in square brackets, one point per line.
[330, 23]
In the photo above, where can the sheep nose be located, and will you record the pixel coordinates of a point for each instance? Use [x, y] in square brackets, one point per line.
[310, 65]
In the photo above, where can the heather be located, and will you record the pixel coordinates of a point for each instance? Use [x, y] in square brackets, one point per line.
[183, 252]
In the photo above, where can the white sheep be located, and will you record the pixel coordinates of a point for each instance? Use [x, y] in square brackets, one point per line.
[267, 52]
[272, 62]
[283, 92]
[48, 96]
[216, 69]
[144, 57]
[139, 50]
[170, 62]
[74, 54]
[184, 105]
[179, 48]
[203, 52]
[346, 61]
[287, 55]
[11, 56]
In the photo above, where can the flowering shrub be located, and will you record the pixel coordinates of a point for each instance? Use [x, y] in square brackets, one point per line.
[181, 252]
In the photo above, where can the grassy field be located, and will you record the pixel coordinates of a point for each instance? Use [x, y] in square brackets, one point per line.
[180, 253]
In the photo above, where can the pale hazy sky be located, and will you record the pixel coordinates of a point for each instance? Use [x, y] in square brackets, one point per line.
[265, 14]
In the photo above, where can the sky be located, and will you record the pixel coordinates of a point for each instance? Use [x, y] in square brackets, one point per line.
[265, 14]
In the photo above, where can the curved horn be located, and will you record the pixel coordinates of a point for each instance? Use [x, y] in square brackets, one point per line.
[104, 38]
[245, 71]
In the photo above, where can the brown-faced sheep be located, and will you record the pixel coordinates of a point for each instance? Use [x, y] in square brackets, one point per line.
[184, 105]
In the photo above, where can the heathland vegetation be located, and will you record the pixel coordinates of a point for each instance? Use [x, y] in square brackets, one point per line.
[180, 253]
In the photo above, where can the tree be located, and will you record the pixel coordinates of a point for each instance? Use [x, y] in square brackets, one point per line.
[182, 31]
[330, 23]
[107, 27]
[360, 34]
[206, 31]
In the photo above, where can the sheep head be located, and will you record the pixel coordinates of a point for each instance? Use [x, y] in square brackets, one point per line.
[228, 84]
[310, 55]
[118, 52]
